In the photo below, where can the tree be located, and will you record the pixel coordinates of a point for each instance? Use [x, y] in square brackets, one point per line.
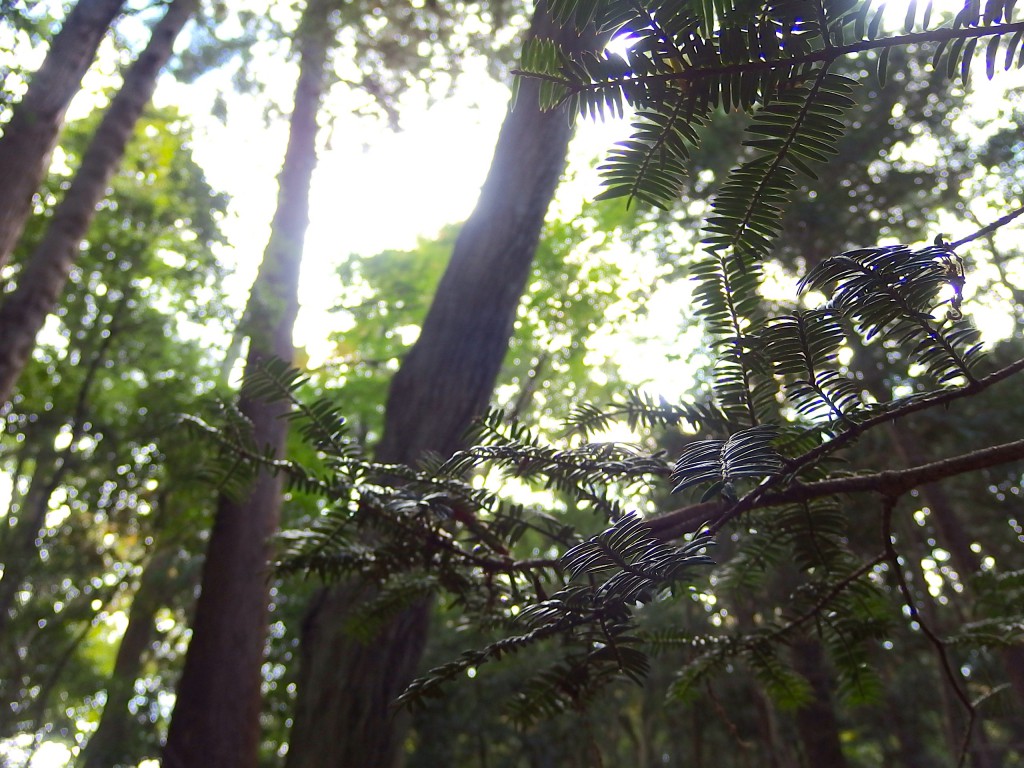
[762, 443]
[347, 684]
[217, 708]
[99, 470]
[23, 312]
[31, 133]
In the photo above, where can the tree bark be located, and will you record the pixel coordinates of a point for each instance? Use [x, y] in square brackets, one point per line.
[108, 745]
[31, 134]
[343, 715]
[216, 715]
[42, 281]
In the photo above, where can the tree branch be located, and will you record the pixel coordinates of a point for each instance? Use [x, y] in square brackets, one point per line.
[889, 483]
[826, 55]
[940, 647]
[990, 228]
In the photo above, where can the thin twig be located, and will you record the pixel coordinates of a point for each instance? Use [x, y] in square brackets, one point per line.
[730, 726]
[990, 228]
[936, 642]
[828, 597]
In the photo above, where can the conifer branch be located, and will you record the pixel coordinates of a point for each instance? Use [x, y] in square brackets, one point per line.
[823, 55]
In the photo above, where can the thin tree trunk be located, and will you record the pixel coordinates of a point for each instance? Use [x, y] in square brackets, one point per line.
[816, 721]
[216, 716]
[31, 134]
[18, 555]
[343, 714]
[107, 745]
[42, 281]
[51, 466]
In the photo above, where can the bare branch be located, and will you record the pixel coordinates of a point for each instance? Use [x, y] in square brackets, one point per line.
[936, 642]
[990, 228]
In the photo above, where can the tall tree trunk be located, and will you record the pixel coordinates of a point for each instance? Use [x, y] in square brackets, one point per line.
[343, 716]
[31, 134]
[45, 274]
[107, 746]
[816, 721]
[216, 716]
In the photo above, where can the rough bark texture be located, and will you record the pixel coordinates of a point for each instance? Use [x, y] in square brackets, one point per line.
[816, 721]
[42, 281]
[31, 134]
[343, 716]
[108, 745]
[216, 716]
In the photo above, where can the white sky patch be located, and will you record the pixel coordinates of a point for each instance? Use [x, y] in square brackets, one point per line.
[373, 189]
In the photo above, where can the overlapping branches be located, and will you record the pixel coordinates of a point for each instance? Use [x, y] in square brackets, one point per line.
[693, 517]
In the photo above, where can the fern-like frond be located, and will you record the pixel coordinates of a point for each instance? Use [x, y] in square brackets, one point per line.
[319, 420]
[584, 471]
[787, 688]
[651, 165]
[856, 621]
[891, 291]
[799, 126]
[815, 533]
[726, 297]
[641, 563]
[802, 348]
[746, 454]
[999, 632]
[640, 411]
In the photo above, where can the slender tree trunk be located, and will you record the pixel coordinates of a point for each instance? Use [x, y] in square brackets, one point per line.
[51, 465]
[18, 555]
[216, 716]
[31, 134]
[816, 721]
[343, 715]
[107, 746]
[42, 281]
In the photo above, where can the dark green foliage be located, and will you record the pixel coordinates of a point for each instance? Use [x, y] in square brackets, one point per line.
[802, 348]
[686, 59]
[890, 292]
[781, 411]
[640, 412]
[639, 562]
[534, 548]
[747, 453]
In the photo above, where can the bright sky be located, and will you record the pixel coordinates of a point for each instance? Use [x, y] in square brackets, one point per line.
[374, 189]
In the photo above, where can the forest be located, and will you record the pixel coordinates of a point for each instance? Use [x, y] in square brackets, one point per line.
[698, 442]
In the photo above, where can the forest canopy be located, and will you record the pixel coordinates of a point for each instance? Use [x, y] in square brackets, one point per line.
[482, 528]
